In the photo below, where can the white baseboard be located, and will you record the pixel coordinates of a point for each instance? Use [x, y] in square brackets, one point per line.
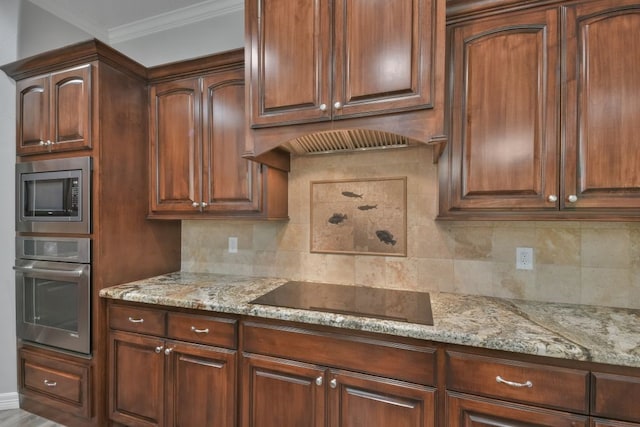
[9, 401]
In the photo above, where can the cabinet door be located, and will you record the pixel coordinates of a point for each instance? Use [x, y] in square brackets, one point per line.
[278, 392]
[362, 400]
[70, 111]
[136, 379]
[289, 57]
[230, 182]
[383, 57]
[175, 146]
[504, 138]
[201, 386]
[596, 422]
[469, 411]
[602, 147]
[33, 114]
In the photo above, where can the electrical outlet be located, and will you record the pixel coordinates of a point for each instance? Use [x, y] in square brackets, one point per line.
[233, 245]
[524, 258]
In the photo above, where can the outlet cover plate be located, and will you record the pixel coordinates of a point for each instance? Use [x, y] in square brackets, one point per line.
[524, 258]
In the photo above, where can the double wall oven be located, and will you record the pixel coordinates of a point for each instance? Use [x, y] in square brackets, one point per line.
[53, 253]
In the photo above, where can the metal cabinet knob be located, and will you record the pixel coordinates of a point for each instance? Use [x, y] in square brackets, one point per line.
[337, 105]
[552, 198]
[168, 350]
[323, 107]
[42, 142]
[333, 383]
[195, 204]
[319, 380]
[204, 204]
[159, 349]
[572, 198]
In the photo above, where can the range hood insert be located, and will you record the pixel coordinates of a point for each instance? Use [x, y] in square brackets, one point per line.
[343, 141]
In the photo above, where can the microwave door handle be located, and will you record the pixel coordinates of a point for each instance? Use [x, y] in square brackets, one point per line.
[51, 273]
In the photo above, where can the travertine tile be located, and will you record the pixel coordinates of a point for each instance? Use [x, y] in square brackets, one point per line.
[475, 243]
[511, 283]
[401, 273]
[606, 247]
[558, 245]
[370, 271]
[435, 275]
[473, 277]
[560, 283]
[507, 239]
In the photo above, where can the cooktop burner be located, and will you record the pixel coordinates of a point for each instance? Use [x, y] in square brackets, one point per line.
[387, 304]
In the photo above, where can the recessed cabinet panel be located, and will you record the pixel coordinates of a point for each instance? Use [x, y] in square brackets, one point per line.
[71, 106]
[233, 182]
[291, 62]
[360, 400]
[33, 99]
[382, 55]
[504, 139]
[175, 142]
[280, 393]
[201, 386]
[603, 107]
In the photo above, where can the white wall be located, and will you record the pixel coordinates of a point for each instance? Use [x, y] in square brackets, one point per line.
[9, 11]
[40, 31]
[202, 38]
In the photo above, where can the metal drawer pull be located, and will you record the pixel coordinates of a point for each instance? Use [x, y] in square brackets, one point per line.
[499, 379]
[200, 331]
[132, 320]
[50, 383]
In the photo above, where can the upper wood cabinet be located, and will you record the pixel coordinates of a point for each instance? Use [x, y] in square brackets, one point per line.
[314, 60]
[197, 143]
[54, 111]
[542, 120]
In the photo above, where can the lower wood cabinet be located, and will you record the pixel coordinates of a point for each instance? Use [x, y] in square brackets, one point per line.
[294, 376]
[280, 392]
[473, 411]
[615, 397]
[158, 381]
[56, 380]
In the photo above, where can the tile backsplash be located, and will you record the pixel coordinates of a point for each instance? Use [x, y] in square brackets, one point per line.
[574, 262]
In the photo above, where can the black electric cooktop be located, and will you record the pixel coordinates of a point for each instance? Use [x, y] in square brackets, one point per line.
[387, 304]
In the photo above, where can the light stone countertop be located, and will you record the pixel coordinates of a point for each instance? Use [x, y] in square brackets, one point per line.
[576, 332]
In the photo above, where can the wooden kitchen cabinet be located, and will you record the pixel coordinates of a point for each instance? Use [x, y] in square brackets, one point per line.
[541, 125]
[615, 397]
[197, 142]
[182, 383]
[315, 60]
[472, 411]
[289, 380]
[54, 111]
[510, 392]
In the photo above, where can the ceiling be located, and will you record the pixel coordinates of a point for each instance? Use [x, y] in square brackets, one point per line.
[115, 21]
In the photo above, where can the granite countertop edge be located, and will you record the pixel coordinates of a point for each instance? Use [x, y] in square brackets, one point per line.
[567, 331]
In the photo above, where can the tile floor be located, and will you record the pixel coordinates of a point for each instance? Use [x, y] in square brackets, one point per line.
[20, 418]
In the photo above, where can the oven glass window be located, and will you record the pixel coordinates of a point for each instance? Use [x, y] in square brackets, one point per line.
[51, 303]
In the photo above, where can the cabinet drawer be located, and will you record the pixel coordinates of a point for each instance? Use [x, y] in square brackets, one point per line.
[543, 385]
[61, 383]
[615, 396]
[134, 319]
[217, 331]
[397, 360]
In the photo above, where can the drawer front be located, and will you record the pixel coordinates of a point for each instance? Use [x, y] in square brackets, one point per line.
[217, 331]
[140, 320]
[407, 362]
[61, 383]
[506, 379]
[616, 396]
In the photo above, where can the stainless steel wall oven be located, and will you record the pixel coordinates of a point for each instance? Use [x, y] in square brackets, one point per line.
[53, 298]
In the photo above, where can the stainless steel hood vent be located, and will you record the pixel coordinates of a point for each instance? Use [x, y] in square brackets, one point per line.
[344, 140]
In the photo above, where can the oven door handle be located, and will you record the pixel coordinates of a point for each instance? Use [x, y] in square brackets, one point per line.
[61, 274]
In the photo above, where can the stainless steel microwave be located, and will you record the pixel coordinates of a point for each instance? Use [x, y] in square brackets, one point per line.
[54, 196]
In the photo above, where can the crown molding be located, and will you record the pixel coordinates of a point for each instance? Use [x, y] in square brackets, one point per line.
[166, 21]
[85, 24]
